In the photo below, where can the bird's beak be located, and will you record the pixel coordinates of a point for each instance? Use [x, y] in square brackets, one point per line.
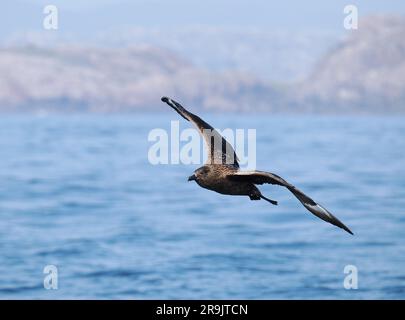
[191, 178]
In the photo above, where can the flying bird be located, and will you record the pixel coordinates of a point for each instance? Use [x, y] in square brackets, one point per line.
[221, 172]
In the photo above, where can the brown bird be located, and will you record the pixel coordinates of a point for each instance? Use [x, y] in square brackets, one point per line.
[221, 172]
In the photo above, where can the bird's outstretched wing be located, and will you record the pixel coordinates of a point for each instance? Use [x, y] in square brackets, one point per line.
[260, 177]
[220, 151]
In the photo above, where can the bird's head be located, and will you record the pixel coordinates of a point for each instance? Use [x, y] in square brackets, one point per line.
[199, 174]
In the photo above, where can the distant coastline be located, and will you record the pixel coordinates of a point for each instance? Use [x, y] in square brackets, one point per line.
[363, 74]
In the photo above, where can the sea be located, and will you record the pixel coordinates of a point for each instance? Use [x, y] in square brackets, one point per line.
[85, 214]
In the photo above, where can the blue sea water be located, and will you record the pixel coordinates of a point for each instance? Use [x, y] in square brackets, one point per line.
[78, 192]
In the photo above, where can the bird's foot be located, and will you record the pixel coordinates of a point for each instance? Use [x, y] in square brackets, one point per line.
[274, 202]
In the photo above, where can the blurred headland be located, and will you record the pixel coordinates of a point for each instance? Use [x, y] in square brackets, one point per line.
[364, 72]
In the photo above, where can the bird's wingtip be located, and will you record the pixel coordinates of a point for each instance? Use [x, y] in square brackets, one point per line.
[325, 215]
[339, 224]
[165, 99]
[349, 231]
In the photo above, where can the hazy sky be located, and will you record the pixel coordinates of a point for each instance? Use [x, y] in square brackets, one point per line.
[78, 17]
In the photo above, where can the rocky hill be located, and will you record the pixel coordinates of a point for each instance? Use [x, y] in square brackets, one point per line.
[365, 73]
[107, 80]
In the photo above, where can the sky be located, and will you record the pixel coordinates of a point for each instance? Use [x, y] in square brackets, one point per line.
[84, 19]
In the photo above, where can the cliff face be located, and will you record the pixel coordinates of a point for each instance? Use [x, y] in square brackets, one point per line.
[364, 73]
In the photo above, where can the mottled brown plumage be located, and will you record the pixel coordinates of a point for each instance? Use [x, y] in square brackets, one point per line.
[216, 177]
[221, 172]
